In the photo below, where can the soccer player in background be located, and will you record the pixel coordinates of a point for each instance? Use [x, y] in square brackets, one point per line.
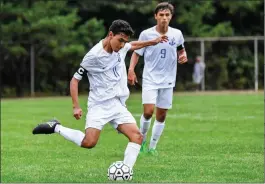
[105, 68]
[159, 73]
[198, 72]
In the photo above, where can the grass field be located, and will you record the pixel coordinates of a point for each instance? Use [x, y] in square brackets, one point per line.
[207, 138]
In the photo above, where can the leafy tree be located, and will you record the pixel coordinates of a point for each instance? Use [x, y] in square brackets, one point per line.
[63, 31]
[59, 39]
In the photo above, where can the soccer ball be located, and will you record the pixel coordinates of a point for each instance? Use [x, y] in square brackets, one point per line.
[119, 171]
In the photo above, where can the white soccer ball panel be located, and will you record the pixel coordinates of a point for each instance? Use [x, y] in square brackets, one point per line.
[125, 169]
[112, 169]
[119, 178]
[111, 177]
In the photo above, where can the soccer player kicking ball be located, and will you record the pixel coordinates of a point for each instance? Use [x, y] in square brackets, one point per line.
[159, 74]
[105, 68]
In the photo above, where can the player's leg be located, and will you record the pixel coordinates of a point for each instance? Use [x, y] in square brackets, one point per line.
[132, 132]
[91, 138]
[146, 118]
[157, 129]
[87, 140]
[125, 123]
[148, 100]
[95, 120]
[53, 126]
[164, 102]
[97, 116]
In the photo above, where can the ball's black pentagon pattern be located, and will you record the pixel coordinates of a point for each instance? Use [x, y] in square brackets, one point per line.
[119, 171]
[127, 176]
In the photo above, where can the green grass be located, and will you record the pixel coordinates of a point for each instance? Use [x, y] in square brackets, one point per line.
[214, 138]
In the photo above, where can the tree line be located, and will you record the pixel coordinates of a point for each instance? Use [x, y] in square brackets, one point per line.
[63, 31]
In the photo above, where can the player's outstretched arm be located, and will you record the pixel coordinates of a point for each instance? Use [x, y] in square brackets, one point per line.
[77, 111]
[132, 79]
[140, 44]
[182, 56]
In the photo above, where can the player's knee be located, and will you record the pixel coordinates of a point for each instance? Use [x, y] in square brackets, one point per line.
[148, 114]
[148, 111]
[161, 116]
[88, 144]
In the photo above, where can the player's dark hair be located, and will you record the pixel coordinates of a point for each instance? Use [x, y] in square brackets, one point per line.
[164, 6]
[121, 26]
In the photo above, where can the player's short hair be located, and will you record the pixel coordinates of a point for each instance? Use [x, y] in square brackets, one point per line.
[121, 26]
[164, 6]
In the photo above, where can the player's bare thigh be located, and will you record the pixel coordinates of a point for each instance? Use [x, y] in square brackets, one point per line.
[91, 138]
[131, 131]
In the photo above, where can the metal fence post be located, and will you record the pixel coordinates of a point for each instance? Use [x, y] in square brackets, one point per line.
[32, 68]
[256, 69]
[203, 59]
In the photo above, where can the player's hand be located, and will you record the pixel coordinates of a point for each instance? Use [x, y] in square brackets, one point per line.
[182, 57]
[161, 39]
[77, 112]
[132, 79]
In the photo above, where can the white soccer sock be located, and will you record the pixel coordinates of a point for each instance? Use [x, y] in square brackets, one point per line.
[131, 154]
[157, 130]
[75, 136]
[144, 126]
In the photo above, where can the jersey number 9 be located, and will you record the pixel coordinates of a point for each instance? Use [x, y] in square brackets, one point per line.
[163, 53]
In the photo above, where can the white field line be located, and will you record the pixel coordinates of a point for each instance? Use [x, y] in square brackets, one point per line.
[200, 117]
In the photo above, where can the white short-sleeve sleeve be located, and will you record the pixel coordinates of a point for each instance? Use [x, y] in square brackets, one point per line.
[88, 64]
[127, 47]
[142, 37]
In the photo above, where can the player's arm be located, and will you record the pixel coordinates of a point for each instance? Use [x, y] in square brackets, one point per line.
[182, 55]
[74, 92]
[131, 74]
[77, 111]
[140, 44]
[139, 47]
[135, 45]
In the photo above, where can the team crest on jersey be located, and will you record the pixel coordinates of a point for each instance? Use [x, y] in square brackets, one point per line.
[172, 42]
[119, 57]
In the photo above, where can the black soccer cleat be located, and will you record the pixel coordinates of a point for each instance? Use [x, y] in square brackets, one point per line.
[46, 128]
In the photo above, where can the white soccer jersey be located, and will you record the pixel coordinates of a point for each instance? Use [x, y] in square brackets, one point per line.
[160, 60]
[106, 74]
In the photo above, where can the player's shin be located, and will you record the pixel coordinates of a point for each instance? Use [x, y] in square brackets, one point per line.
[157, 130]
[72, 135]
[144, 126]
[131, 154]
